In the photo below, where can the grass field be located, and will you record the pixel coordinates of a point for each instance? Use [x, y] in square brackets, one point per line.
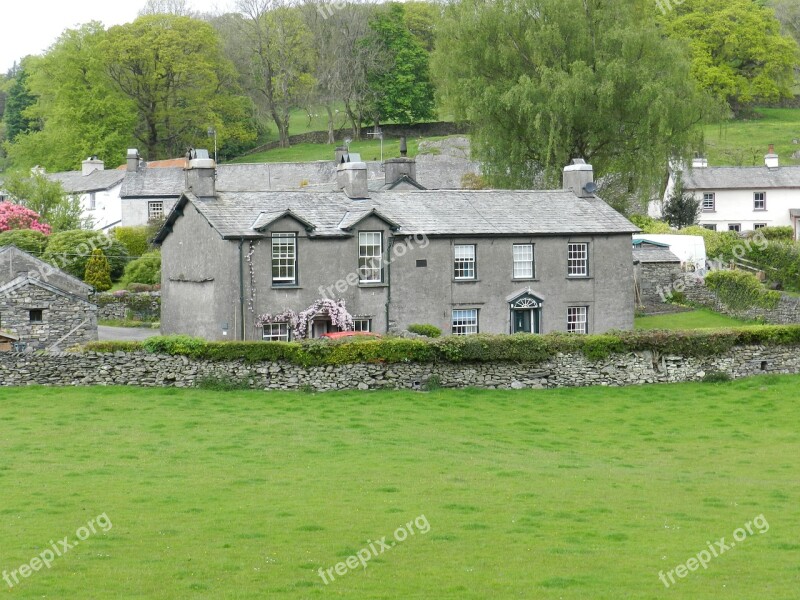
[585, 493]
[695, 319]
[745, 143]
[369, 149]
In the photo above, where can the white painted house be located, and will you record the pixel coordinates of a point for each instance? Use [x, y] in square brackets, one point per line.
[743, 198]
[97, 189]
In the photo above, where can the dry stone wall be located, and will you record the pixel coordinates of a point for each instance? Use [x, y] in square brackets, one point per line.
[564, 370]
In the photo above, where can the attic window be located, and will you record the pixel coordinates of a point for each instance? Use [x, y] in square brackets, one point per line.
[36, 315]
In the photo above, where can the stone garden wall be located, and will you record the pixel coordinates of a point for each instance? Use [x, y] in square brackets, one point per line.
[142, 306]
[786, 313]
[564, 370]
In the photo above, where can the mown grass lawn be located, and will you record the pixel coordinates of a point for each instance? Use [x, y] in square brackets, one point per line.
[694, 319]
[584, 493]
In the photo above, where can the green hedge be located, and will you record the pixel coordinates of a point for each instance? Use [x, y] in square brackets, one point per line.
[526, 348]
[740, 290]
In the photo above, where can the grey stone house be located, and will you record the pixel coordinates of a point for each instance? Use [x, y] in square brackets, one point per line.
[466, 261]
[41, 306]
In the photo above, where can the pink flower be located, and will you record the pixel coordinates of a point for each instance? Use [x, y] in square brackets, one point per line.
[14, 216]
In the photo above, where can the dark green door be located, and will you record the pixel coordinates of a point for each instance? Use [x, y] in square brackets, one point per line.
[522, 321]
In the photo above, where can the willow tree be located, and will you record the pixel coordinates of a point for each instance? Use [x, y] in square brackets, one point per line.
[543, 81]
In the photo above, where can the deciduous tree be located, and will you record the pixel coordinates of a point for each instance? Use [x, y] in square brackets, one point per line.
[544, 81]
[738, 51]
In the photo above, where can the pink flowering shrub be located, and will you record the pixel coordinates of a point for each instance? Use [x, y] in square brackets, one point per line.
[14, 216]
[335, 309]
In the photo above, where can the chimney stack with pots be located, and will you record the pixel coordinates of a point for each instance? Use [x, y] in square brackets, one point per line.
[351, 177]
[201, 173]
[133, 160]
[92, 164]
[579, 177]
[771, 159]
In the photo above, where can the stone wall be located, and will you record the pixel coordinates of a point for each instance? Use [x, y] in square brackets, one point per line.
[143, 306]
[653, 279]
[787, 312]
[435, 129]
[566, 370]
[64, 320]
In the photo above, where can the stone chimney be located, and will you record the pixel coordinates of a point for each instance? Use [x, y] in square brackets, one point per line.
[340, 154]
[133, 160]
[699, 162]
[352, 178]
[579, 177]
[201, 174]
[92, 164]
[395, 168]
[771, 159]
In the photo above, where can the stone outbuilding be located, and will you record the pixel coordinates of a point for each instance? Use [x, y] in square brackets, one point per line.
[656, 269]
[41, 306]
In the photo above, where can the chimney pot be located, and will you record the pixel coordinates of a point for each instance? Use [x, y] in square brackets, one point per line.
[403, 146]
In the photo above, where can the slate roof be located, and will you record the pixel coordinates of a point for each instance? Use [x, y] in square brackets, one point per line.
[167, 182]
[730, 178]
[75, 182]
[41, 266]
[654, 255]
[24, 280]
[170, 182]
[429, 212]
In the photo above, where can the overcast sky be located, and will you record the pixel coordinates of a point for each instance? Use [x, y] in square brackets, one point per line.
[31, 26]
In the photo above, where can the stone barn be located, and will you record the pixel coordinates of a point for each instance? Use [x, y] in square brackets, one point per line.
[41, 306]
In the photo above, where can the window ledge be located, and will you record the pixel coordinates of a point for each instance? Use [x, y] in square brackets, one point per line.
[286, 287]
[515, 279]
[373, 285]
[579, 277]
[759, 210]
[466, 280]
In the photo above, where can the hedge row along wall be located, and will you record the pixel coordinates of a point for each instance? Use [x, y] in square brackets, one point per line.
[522, 348]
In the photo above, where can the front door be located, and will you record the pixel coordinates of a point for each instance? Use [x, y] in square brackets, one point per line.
[522, 320]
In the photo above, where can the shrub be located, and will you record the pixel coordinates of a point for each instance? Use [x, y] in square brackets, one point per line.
[740, 290]
[649, 224]
[70, 251]
[780, 261]
[221, 384]
[14, 216]
[719, 244]
[783, 233]
[98, 271]
[138, 288]
[716, 377]
[135, 239]
[432, 383]
[146, 269]
[28, 240]
[430, 331]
